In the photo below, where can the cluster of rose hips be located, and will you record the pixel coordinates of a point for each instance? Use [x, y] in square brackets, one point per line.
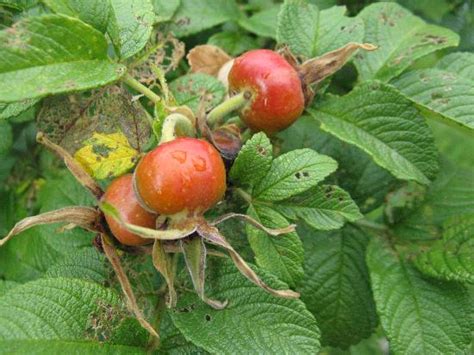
[163, 202]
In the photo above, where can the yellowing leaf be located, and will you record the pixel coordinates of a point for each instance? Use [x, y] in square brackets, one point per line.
[107, 155]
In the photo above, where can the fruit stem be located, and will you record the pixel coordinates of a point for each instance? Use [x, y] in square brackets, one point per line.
[175, 125]
[233, 103]
[135, 84]
[365, 223]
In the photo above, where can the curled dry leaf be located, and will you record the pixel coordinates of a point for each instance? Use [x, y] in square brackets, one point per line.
[207, 59]
[172, 233]
[127, 290]
[74, 167]
[195, 253]
[85, 217]
[255, 223]
[315, 70]
[212, 235]
[164, 264]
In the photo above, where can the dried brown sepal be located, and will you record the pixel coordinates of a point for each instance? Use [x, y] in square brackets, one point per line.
[181, 231]
[315, 70]
[132, 305]
[164, 264]
[194, 252]
[84, 217]
[255, 223]
[212, 235]
[227, 140]
[286, 53]
[207, 59]
[74, 167]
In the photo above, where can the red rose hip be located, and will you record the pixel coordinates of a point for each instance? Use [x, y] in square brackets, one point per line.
[277, 95]
[120, 195]
[185, 175]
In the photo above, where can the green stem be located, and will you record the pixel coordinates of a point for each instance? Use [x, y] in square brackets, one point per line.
[135, 84]
[175, 125]
[234, 103]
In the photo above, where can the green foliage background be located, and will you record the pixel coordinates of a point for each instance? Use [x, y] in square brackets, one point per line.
[378, 174]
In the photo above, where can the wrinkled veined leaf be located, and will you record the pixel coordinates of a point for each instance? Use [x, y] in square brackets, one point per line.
[336, 287]
[93, 12]
[310, 32]
[401, 37]
[52, 54]
[56, 308]
[451, 194]
[86, 263]
[262, 23]
[233, 43]
[6, 137]
[419, 315]
[83, 347]
[130, 25]
[323, 207]
[293, 173]
[253, 162]
[378, 119]
[190, 89]
[107, 155]
[281, 255]
[15, 108]
[451, 258]
[445, 92]
[194, 16]
[250, 322]
[357, 173]
[165, 9]
[70, 120]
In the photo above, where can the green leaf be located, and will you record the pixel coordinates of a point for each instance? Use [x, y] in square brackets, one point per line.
[281, 255]
[194, 16]
[310, 32]
[253, 322]
[262, 23]
[83, 347]
[6, 137]
[451, 194]
[172, 342]
[253, 162]
[293, 173]
[52, 54]
[233, 43]
[93, 12]
[419, 316]
[323, 207]
[15, 108]
[165, 9]
[378, 119]
[336, 287]
[401, 37]
[86, 263]
[6, 286]
[366, 182]
[19, 4]
[189, 90]
[451, 258]
[130, 25]
[57, 308]
[445, 93]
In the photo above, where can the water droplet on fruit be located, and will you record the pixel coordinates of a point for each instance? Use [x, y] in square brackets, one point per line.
[199, 164]
[179, 156]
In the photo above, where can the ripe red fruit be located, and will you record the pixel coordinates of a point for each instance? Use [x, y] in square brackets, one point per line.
[277, 95]
[120, 195]
[186, 175]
